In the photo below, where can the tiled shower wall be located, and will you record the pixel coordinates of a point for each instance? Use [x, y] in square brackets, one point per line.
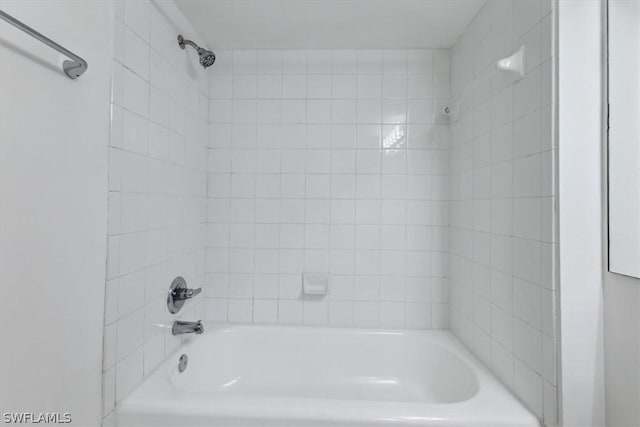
[157, 191]
[329, 161]
[502, 208]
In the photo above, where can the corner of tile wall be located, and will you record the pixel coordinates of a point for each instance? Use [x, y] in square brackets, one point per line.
[503, 237]
[157, 192]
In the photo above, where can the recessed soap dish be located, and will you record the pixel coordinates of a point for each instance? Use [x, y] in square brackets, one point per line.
[315, 284]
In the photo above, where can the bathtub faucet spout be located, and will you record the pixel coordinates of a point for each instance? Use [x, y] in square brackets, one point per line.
[181, 327]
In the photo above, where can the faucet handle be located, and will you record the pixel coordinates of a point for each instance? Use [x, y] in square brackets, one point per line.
[190, 293]
[179, 293]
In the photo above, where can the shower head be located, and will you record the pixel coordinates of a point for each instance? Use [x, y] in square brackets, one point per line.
[207, 58]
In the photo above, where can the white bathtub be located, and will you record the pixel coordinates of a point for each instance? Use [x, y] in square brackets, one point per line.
[297, 376]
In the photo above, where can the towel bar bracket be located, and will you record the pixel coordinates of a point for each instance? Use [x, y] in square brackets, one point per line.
[73, 67]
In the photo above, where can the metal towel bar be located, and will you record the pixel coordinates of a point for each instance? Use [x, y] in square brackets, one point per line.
[74, 68]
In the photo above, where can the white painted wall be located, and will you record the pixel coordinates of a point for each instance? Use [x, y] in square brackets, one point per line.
[303, 178]
[622, 349]
[622, 293]
[53, 187]
[580, 183]
[624, 136]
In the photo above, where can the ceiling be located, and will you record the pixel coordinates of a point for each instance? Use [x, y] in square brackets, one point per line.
[330, 23]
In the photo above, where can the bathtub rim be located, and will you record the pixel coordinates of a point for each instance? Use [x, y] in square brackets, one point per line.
[492, 405]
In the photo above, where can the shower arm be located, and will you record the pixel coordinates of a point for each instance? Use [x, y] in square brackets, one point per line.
[182, 42]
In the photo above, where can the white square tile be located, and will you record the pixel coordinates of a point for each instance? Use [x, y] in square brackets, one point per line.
[316, 313]
[319, 111]
[394, 86]
[392, 315]
[291, 262]
[367, 263]
[270, 61]
[528, 385]
[343, 136]
[221, 86]
[367, 186]
[343, 111]
[341, 262]
[316, 236]
[369, 136]
[294, 61]
[367, 237]
[420, 61]
[368, 162]
[343, 161]
[269, 111]
[394, 162]
[269, 87]
[290, 312]
[343, 86]
[342, 236]
[266, 286]
[265, 311]
[130, 331]
[316, 260]
[245, 61]
[129, 373]
[369, 61]
[394, 111]
[245, 86]
[343, 211]
[318, 61]
[369, 86]
[135, 133]
[135, 93]
[153, 353]
[367, 212]
[318, 186]
[293, 136]
[418, 316]
[294, 111]
[420, 111]
[244, 111]
[343, 186]
[366, 314]
[319, 86]
[220, 111]
[341, 313]
[108, 390]
[240, 310]
[392, 289]
[393, 212]
[394, 61]
[369, 111]
[420, 86]
[136, 17]
[294, 86]
[393, 186]
[393, 237]
[344, 61]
